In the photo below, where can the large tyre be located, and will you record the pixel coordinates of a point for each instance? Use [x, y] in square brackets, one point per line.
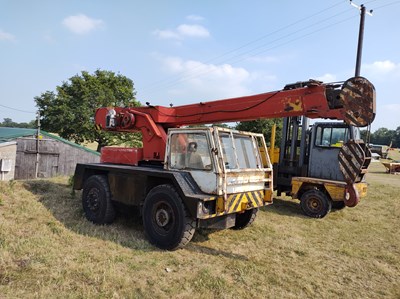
[315, 203]
[96, 200]
[166, 222]
[244, 219]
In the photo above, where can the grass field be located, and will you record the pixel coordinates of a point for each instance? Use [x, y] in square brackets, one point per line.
[49, 250]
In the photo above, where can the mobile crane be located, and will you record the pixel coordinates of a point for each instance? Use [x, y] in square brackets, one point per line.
[185, 178]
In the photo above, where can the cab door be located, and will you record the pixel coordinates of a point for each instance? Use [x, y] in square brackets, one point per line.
[327, 140]
[192, 150]
[240, 161]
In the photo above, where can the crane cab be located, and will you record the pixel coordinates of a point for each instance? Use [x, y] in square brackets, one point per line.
[221, 161]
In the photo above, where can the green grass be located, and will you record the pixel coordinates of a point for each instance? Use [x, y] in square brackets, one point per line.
[49, 250]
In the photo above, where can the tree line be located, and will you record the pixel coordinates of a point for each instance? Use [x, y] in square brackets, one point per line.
[383, 136]
[8, 122]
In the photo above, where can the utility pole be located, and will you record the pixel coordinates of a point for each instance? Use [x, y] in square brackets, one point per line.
[363, 11]
[37, 146]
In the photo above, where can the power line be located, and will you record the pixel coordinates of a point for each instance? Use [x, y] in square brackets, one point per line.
[298, 38]
[389, 4]
[19, 110]
[179, 76]
[197, 71]
[192, 75]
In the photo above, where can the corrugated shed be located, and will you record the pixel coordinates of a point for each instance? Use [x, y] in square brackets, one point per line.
[50, 155]
[9, 134]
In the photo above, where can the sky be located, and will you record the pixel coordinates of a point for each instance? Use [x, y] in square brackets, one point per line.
[182, 52]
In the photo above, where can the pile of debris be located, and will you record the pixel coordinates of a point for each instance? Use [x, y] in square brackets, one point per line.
[392, 163]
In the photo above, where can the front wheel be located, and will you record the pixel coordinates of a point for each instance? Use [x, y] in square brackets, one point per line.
[166, 222]
[244, 219]
[315, 203]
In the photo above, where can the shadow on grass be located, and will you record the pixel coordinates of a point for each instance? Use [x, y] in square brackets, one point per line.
[127, 230]
[195, 247]
[284, 207]
[291, 208]
[66, 207]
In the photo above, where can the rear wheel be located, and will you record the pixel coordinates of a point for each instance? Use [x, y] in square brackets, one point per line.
[315, 203]
[96, 200]
[244, 219]
[165, 219]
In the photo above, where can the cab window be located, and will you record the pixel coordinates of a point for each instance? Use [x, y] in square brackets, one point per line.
[189, 151]
[331, 137]
[239, 152]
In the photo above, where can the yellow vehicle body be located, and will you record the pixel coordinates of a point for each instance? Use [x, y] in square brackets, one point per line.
[337, 190]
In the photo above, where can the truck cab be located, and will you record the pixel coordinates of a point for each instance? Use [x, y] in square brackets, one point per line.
[326, 141]
[221, 161]
[323, 165]
[211, 177]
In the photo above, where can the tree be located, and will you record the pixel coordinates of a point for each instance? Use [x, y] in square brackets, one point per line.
[8, 122]
[70, 110]
[263, 126]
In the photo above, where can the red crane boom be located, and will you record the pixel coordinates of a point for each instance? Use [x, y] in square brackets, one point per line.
[353, 102]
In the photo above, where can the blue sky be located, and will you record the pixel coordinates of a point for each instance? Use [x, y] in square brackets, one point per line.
[184, 52]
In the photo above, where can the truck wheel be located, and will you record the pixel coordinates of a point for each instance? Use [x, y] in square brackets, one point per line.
[96, 200]
[315, 203]
[166, 222]
[243, 220]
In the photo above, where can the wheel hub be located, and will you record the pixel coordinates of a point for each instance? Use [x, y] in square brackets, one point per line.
[314, 204]
[162, 217]
[93, 199]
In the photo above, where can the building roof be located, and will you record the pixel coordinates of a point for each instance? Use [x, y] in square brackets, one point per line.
[10, 134]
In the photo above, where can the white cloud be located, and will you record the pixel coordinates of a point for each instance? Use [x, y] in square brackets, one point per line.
[182, 31]
[385, 75]
[202, 81]
[194, 18]
[166, 34]
[6, 36]
[385, 66]
[193, 30]
[382, 71]
[82, 24]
